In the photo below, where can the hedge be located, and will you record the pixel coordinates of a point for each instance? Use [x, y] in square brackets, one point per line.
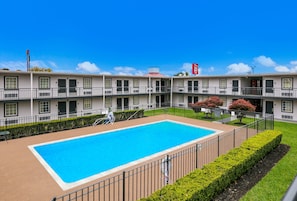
[206, 183]
[30, 129]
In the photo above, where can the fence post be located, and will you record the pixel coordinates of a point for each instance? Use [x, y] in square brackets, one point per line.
[197, 146]
[234, 138]
[218, 145]
[124, 175]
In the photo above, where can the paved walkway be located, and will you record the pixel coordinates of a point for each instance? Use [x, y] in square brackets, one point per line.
[23, 178]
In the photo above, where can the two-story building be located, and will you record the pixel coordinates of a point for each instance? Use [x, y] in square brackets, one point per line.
[42, 96]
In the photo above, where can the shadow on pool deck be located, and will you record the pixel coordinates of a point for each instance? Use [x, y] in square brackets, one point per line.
[22, 177]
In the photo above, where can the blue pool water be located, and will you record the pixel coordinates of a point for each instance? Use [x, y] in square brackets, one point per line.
[78, 158]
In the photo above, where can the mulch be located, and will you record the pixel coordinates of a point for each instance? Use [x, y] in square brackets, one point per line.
[241, 186]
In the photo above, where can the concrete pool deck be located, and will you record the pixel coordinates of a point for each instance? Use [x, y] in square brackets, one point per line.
[22, 176]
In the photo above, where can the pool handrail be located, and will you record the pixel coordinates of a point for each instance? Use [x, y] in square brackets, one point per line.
[133, 114]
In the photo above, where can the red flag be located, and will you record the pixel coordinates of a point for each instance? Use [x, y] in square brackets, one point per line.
[195, 69]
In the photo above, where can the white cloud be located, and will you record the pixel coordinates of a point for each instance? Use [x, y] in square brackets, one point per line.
[22, 65]
[282, 69]
[265, 61]
[124, 70]
[294, 69]
[87, 67]
[239, 68]
[187, 67]
[211, 69]
[293, 63]
[105, 73]
[14, 65]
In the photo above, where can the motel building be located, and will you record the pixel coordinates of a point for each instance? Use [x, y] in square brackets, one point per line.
[27, 96]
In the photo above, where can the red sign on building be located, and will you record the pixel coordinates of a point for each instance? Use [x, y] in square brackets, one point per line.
[195, 69]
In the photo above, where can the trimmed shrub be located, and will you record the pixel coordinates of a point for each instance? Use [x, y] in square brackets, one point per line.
[204, 184]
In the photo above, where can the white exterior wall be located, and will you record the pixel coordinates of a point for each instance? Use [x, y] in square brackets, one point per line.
[179, 97]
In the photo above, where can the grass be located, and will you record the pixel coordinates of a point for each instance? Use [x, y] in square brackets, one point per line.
[275, 184]
[184, 113]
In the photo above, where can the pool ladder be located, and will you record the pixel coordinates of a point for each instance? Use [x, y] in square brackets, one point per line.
[133, 115]
[98, 121]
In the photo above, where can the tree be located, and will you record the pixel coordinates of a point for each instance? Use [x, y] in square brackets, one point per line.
[39, 69]
[208, 104]
[182, 74]
[242, 106]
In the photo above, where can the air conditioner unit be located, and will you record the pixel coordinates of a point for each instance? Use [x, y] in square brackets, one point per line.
[108, 91]
[11, 95]
[11, 121]
[44, 118]
[287, 117]
[43, 94]
[87, 92]
[287, 94]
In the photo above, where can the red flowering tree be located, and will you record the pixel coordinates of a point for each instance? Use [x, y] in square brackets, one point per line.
[241, 106]
[208, 104]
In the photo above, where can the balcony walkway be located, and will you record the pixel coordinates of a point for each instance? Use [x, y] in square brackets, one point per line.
[24, 178]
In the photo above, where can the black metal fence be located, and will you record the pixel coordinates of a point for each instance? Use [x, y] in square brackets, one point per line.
[142, 180]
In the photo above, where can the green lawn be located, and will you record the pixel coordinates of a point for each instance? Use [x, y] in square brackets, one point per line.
[184, 113]
[275, 184]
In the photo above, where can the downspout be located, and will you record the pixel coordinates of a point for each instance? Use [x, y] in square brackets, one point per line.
[103, 92]
[149, 89]
[171, 91]
[31, 93]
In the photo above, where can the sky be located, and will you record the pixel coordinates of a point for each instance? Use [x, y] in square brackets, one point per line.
[129, 37]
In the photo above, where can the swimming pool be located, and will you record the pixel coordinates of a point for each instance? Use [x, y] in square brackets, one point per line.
[75, 161]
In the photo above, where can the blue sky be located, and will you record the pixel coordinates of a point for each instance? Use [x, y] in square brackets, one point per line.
[129, 37]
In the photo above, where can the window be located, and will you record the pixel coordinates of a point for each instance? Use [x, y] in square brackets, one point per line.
[223, 84]
[135, 100]
[108, 84]
[44, 107]
[235, 85]
[11, 109]
[44, 82]
[108, 102]
[190, 86]
[269, 86]
[136, 83]
[181, 98]
[180, 83]
[195, 85]
[205, 83]
[287, 106]
[126, 85]
[224, 99]
[87, 83]
[11, 83]
[87, 103]
[287, 83]
[189, 99]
